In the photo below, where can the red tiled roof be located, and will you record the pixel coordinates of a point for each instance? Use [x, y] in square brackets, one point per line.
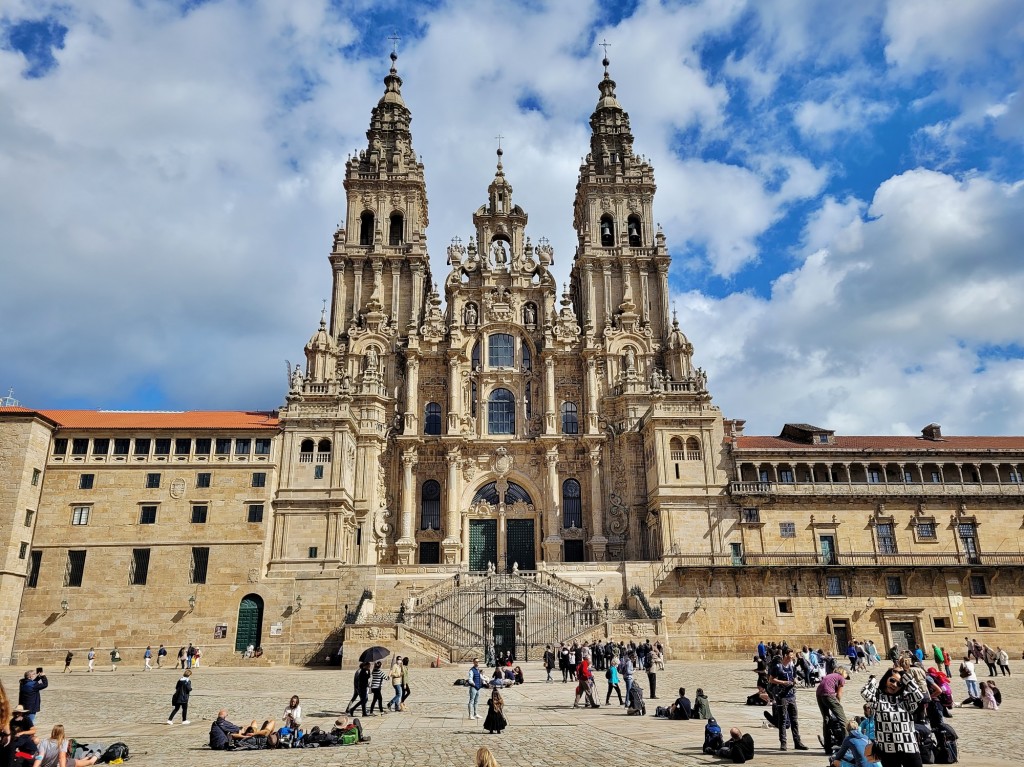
[131, 419]
[883, 443]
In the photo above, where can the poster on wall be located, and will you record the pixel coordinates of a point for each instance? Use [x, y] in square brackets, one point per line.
[220, 631]
[276, 629]
[956, 601]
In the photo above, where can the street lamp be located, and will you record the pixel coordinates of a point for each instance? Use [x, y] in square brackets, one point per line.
[63, 607]
[298, 602]
[191, 602]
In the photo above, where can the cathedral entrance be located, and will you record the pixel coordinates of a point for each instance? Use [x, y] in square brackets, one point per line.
[483, 543]
[504, 635]
[520, 545]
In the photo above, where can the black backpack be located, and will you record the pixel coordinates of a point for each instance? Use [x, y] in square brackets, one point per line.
[946, 750]
[114, 752]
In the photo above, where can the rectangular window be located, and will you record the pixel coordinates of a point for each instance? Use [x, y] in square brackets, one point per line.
[874, 476]
[23, 550]
[199, 515]
[79, 446]
[986, 623]
[313, 551]
[926, 530]
[501, 350]
[203, 479]
[318, 471]
[100, 446]
[259, 479]
[787, 529]
[29, 516]
[152, 481]
[182, 446]
[786, 475]
[894, 586]
[908, 477]
[941, 623]
[834, 586]
[162, 446]
[75, 570]
[140, 567]
[203, 446]
[34, 562]
[262, 447]
[243, 446]
[978, 586]
[80, 515]
[224, 446]
[1014, 476]
[142, 446]
[200, 563]
[60, 446]
[785, 607]
[255, 513]
[751, 515]
[122, 445]
[147, 516]
[36, 473]
[85, 481]
[936, 477]
[886, 538]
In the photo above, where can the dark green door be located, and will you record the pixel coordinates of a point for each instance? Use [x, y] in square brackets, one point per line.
[483, 543]
[505, 634]
[520, 544]
[250, 619]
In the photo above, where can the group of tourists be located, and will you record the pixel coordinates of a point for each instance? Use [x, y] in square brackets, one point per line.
[368, 684]
[187, 658]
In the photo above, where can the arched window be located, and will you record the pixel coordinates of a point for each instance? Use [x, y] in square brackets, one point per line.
[570, 419]
[476, 355]
[527, 359]
[675, 449]
[692, 449]
[572, 504]
[432, 422]
[323, 449]
[607, 231]
[634, 230]
[430, 506]
[501, 412]
[306, 451]
[366, 228]
[501, 350]
[514, 492]
[396, 232]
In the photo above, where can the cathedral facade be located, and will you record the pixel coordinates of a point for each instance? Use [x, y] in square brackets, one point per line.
[520, 464]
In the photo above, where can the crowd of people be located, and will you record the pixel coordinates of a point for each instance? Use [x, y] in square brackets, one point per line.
[188, 657]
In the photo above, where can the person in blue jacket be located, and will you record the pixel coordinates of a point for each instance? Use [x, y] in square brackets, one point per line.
[28, 692]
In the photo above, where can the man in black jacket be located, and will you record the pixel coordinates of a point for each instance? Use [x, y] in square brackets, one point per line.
[739, 748]
[28, 692]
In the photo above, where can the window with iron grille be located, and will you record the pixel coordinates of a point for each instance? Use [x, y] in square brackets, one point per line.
[262, 447]
[787, 529]
[501, 412]
[318, 471]
[894, 586]
[29, 516]
[501, 350]
[60, 446]
[23, 550]
[140, 567]
[430, 505]
[100, 446]
[834, 586]
[255, 513]
[85, 481]
[36, 474]
[224, 446]
[34, 562]
[152, 481]
[147, 515]
[200, 562]
[572, 504]
[203, 479]
[570, 418]
[79, 446]
[199, 514]
[926, 530]
[886, 538]
[432, 421]
[259, 479]
[75, 570]
[243, 446]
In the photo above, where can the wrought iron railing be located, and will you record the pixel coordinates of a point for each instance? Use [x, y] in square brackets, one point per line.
[852, 559]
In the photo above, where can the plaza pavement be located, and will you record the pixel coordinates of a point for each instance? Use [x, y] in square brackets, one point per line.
[544, 731]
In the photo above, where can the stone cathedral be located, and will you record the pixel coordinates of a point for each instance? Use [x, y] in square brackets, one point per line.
[509, 464]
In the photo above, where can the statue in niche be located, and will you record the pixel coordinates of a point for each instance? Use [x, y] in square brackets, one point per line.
[529, 315]
[470, 316]
[630, 358]
[371, 359]
[656, 380]
[499, 254]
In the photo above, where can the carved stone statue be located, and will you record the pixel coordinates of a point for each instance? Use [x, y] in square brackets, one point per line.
[499, 254]
[656, 381]
[470, 315]
[371, 359]
[630, 358]
[490, 568]
[297, 379]
[529, 315]
[515, 568]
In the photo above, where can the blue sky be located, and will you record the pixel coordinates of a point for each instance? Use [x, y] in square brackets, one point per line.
[842, 188]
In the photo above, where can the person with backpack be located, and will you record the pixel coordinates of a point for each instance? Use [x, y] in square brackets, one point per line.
[51, 751]
[738, 749]
[782, 681]
[181, 659]
[182, 689]
[712, 737]
[549, 662]
[147, 656]
[585, 681]
[67, 662]
[91, 656]
[115, 658]
[894, 701]
[969, 677]
[856, 749]
[474, 681]
[651, 667]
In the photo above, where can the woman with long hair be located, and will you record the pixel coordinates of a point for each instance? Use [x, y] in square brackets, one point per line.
[53, 752]
[894, 702]
[484, 758]
[495, 721]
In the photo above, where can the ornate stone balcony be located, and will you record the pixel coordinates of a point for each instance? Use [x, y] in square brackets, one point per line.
[877, 489]
[853, 559]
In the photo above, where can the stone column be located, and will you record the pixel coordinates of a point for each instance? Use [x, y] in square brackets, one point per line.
[553, 541]
[412, 375]
[338, 318]
[645, 315]
[662, 300]
[454, 395]
[406, 544]
[591, 388]
[549, 396]
[588, 312]
[417, 294]
[452, 529]
[357, 289]
[609, 310]
[396, 268]
[598, 542]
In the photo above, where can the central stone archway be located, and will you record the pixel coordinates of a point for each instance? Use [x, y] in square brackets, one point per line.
[501, 526]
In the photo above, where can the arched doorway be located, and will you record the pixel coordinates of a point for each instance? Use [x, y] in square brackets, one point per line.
[250, 622]
[508, 541]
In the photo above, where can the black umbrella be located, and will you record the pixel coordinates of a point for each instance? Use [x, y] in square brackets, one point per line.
[374, 654]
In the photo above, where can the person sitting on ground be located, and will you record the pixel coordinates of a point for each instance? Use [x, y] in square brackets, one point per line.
[759, 698]
[855, 750]
[346, 724]
[701, 705]
[255, 728]
[53, 752]
[293, 714]
[682, 708]
[739, 748]
[519, 675]
[20, 723]
[224, 734]
[509, 673]
[984, 689]
[484, 758]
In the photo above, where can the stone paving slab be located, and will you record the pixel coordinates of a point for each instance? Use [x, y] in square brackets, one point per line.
[543, 729]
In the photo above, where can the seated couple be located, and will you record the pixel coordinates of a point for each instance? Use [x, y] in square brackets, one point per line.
[225, 735]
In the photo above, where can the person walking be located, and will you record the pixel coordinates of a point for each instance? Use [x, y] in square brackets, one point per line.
[196, 655]
[612, 675]
[189, 655]
[782, 681]
[651, 667]
[115, 658]
[894, 702]
[1003, 659]
[160, 655]
[67, 662]
[475, 680]
[406, 689]
[549, 662]
[181, 659]
[32, 683]
[91, 656]
[377, 678]
[182, 689]
[948, 658]
[396, 682]
[563, 662]
[829, 694]
[148, 657]
[362, 686]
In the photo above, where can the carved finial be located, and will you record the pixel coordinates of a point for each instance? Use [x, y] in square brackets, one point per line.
[394, 38]
[606, 45]
[323, 316]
